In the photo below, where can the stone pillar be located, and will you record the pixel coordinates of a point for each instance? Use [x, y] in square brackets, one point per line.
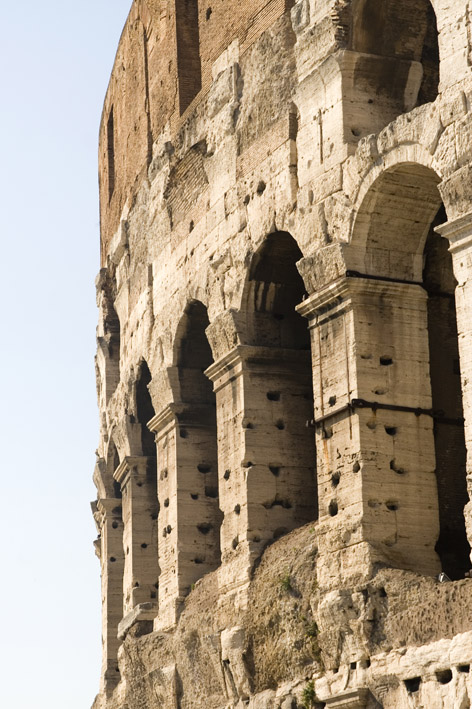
[374, 429]
[459, 234]
[189, 517]
[141, 570]
[266, 455]
[108, 516]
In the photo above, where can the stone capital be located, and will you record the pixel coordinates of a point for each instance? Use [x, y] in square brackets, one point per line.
[129, 464]
[458, 232]
[242, 357]
[350, 699]
[344, 293]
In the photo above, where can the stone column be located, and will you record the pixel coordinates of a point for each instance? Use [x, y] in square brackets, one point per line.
[107, 513]
[459, 234]
[374, 428]
[189, 517]
[266, 456]
[141, 570]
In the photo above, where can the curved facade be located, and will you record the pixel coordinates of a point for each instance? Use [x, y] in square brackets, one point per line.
[284, 359]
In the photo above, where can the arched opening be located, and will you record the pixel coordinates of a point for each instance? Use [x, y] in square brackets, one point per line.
[420, 362]
[278, 393]
[145, 410]
[145, 502]
[188, 52]
[396, 65]
[197, 457]
[449, 441]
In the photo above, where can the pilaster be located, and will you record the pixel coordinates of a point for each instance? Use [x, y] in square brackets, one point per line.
[374, 428]
[189, 516]
[112, 565]
[266, 455]
[136, 476]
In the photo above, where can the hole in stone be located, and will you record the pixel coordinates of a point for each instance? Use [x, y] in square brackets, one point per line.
[444, 676]
[392, 506]
[335, 478]
[227, 474]
[355, 132]
[237, 509]
[327, 432]
[211, 492]
[368, 662]
[191, 227]
[204, 468]
[164, 474]
[169, 529]
[204, 528]
[273, 395]
[249, 425]
[383, 592]
[153, 595]
[144, 546]
[463, 668]
[391, 430]
[412, 685]
[112, 559]
[275, 470]
[396, 469]
[246, 200]
[356, 467]
[198, 560]
[353, 665]
[166, 502]
[386, 361]
[114, 525]
[183, 433]
[332, 400]
[208, 13]
[235, 543]
[136, 585]
[279, 532]
[280, 425]
[333, 508]
[261, 187]
[248, 464]
[154, 516]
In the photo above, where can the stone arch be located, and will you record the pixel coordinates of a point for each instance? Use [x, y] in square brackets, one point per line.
[279, 397]
[188, 459]
[273, 289]
[395, 60]
[393, 219]
[393, 235]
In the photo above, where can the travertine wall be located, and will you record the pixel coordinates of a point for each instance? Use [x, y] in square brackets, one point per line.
[284, 358]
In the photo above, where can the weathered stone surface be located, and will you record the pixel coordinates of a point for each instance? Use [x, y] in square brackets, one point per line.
[284, 356]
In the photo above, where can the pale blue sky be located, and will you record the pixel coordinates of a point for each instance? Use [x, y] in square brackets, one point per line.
[56, 58]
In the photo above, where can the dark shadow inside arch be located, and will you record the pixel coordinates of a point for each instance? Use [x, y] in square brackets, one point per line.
[275, 289]
[145, 410]
[199, 532]
[281, 340]
[449, 440]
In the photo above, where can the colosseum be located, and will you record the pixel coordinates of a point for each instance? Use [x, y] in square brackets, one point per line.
[284, 363]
